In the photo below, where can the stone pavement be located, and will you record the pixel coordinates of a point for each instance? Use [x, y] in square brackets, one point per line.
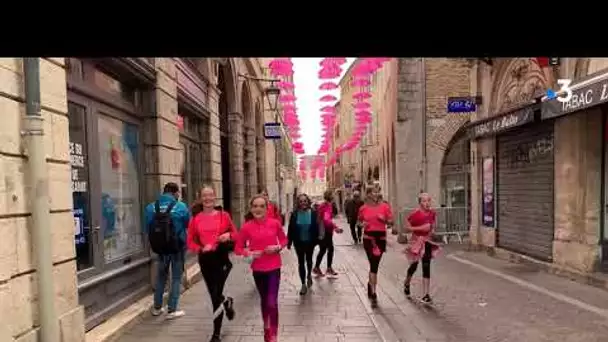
[477, 299]
[333, 310]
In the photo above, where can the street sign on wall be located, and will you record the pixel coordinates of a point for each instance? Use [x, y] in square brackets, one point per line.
[461, 104]
[272, 130]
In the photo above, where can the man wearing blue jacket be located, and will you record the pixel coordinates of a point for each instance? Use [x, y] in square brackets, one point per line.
[180, 216]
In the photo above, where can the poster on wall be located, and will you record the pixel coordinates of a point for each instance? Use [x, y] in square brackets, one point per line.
[487, 209]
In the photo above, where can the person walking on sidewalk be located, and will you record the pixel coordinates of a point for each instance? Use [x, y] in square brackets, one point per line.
[374, 216]
[302, 233]
[326, 230]
[166, 222]
[266, 239]
[421, 247]
[351, 209]
[211, 234]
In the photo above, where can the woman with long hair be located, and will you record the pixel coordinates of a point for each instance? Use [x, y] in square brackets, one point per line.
[266, 239]
[326, 230]
[302, 233]
[421, 223]
[211, 234]
[374, 216]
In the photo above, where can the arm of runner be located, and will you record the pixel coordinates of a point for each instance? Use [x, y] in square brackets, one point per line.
[241, 240]
[192, 237]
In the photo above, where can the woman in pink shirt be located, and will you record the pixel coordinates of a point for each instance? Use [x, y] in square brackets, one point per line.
[374, 216]
[327, 227]
[266, 239]
[211, 235]
[421, 247]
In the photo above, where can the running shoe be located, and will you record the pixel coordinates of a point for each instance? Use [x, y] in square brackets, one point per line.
[229, 308]
[427, 299]
[374, 299]
[317, 272]
[303, 290]
[157, 312]
[215, 338]
[309, 281]
[406, 290]
[175, 314]
[331, 272]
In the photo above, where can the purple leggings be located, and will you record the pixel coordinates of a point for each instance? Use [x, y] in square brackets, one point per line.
[268, 288]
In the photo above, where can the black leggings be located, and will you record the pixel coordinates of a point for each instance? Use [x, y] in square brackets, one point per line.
[215, 268]
[304, 251]
[426, 263]
[326, 245]
[355, 230]
[368, 246]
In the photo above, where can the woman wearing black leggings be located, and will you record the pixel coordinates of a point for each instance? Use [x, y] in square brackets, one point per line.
[375, 216]
[211, 235]
[421, 247]
[302, 233]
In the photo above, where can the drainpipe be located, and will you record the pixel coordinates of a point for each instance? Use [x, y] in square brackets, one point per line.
[424, 180]
[39, 197]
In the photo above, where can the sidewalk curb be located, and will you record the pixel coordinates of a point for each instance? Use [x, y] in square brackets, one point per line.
[123, 321]
[594, 279]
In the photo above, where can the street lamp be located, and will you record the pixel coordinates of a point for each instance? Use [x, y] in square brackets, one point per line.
[272, 93]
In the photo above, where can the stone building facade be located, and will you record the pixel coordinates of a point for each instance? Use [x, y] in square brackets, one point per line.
[116, 130]
[564, 164]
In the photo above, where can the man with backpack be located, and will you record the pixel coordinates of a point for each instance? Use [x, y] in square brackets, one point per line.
[166, 226]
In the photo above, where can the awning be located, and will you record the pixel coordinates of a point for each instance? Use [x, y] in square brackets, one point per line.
[588, 92]
[503, 122]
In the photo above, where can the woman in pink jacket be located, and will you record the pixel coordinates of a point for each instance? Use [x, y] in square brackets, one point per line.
[421, 247]
[327, 228]
[266, 239]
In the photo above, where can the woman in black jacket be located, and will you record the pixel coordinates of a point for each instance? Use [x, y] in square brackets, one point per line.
[303, 234]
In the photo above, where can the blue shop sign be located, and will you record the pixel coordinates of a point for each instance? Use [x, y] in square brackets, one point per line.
[461, 105]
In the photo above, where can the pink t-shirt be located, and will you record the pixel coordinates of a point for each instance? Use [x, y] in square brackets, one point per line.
[369, 215]
[420, 217]
[261, 234]
[204, 229]
[325, 211]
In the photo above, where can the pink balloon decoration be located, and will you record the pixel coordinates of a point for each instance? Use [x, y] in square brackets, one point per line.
[289, 107]
[363, 113]
[362, 95]
[328, 86]
[328, 98]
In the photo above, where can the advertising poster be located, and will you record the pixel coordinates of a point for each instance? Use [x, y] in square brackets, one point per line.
[487, 210]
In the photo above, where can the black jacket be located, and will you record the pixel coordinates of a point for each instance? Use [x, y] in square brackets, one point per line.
[351, 209]
[292, 230]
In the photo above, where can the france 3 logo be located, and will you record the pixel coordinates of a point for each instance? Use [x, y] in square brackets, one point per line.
[565, 92]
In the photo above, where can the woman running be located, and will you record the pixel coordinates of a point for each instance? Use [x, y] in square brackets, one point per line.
[325, 214]
[272, 210]
[266, 239]
[303, 234]
[211, 235]
[374, 216]
[421, 247]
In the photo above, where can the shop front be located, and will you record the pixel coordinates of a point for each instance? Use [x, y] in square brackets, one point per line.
[517, 184]
[581, 155]
[106, 105]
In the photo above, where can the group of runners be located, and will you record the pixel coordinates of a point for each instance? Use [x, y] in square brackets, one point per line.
[212, 235]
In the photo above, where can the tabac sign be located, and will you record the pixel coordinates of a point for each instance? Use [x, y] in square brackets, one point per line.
[503, 122]
[582, 98]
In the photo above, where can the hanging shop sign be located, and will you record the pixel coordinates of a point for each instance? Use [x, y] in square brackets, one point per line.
[503, 122]
[272, 130]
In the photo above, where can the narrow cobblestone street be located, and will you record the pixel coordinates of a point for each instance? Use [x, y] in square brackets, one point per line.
[476, 299]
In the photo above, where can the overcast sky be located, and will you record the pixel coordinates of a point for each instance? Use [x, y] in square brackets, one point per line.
[308, 94]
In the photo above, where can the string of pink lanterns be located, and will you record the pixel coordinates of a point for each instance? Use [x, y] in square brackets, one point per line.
[331, 69]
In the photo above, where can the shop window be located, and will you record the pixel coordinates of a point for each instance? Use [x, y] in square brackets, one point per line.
[80, 186]
[113, 86]
[193, 171]
[120, 179]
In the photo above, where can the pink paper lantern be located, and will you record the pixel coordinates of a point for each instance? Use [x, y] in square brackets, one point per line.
[329, 109]
[328, 98]
[361, 82]
[362, 105]
[328, 86]
[288, 98]
[363, 113]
